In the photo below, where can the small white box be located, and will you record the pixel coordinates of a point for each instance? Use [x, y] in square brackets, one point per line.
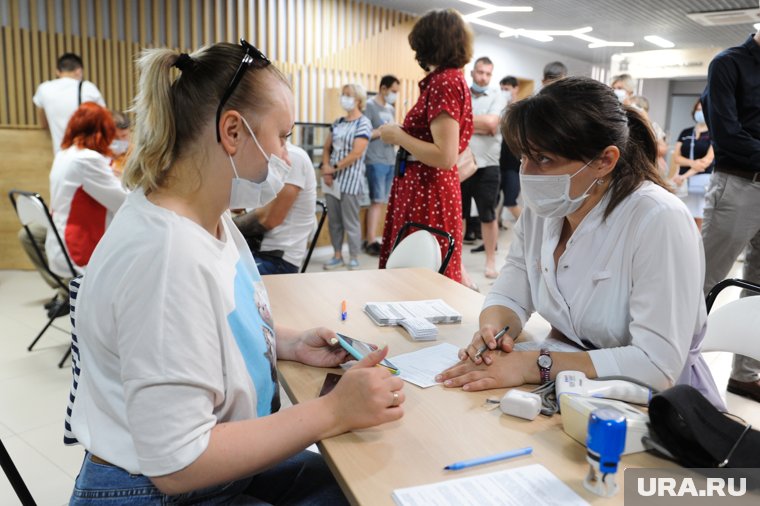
[521, 404]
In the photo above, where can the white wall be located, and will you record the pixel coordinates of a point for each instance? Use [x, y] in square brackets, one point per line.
[657, 91]
[525, 62]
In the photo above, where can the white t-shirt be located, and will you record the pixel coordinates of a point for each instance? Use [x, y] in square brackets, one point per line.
[629, 285]
[84, 196]
[59, 99]
[293, 234]
[175, 335]
[487, 148]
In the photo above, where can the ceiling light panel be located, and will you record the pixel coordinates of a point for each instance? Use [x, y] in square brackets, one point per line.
[659, 41]
[487, 9]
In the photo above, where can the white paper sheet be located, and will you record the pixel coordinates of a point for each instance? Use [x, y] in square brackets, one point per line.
[420, 367]
[532, 484]
[333, 190]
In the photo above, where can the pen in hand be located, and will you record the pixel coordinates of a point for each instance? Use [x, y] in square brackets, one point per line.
[498, 337]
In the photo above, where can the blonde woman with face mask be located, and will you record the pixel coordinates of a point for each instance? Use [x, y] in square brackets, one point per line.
[343, 167]
[177, 399]
[602, 251]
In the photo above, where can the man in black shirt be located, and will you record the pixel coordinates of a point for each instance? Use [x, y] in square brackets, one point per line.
[731, 103]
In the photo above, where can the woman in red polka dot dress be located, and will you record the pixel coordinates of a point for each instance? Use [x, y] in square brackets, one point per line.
[435, 131]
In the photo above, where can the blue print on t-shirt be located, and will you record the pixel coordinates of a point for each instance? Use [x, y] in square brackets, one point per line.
[251, 324]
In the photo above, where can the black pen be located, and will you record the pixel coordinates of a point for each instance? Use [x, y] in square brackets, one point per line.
[498, 337]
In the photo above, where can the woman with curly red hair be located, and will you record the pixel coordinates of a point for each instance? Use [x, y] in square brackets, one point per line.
[84, 192]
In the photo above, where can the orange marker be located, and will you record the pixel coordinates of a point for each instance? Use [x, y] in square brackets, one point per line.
[343, 312]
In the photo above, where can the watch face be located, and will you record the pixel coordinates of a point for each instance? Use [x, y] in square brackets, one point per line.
[544, 361]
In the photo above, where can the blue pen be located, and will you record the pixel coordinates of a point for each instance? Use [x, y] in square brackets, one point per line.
[485, 460]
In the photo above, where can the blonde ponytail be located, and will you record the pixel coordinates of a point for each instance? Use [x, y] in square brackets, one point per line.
[155, 133]
[171, 113]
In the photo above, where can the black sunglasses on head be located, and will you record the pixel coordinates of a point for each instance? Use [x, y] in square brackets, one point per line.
[252, 58]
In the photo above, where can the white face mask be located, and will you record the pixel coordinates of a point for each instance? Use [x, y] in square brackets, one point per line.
[507, 94]
[699, 116]
[119, 147]
[621, 95]
[549, 196]
[391, 97]
[347, 103]
[247, 194]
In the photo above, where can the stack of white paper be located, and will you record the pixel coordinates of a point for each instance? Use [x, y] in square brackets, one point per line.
[392, 313]
[420, 329]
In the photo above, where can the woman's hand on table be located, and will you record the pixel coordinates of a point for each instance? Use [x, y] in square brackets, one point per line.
[367, 395]
[506, 370]
[486, 335]
[313, 348]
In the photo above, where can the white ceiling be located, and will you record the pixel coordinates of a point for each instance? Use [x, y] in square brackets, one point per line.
[612, 20]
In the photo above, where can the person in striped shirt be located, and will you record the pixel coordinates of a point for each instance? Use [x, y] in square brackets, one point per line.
[343, 168]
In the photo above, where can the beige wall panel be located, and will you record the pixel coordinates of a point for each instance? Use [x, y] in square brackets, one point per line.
[27, 158]
[4, 78]
[26, 41]
[142, 24]
[13, 44]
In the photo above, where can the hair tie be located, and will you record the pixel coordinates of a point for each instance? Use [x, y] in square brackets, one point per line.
[184, 61]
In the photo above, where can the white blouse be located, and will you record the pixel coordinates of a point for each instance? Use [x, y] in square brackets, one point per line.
[628, 288]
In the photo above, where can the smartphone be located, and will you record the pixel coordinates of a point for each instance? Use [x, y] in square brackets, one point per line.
[330, 381]
[359, 349]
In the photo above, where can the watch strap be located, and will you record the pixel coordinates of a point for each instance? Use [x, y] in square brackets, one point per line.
[545, 372]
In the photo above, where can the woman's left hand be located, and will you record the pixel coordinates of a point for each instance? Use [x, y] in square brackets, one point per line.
[390, 133]
[506, 370]
[313, 348]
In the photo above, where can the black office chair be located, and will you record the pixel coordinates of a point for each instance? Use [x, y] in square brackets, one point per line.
[323, 214]
[31, 208]
[420, 249]
[9, 468]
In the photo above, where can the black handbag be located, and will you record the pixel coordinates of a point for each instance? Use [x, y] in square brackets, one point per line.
[696, 434]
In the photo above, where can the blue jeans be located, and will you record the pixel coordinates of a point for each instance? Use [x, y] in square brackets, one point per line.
[268, 264]
[379, 177]
[300, 480]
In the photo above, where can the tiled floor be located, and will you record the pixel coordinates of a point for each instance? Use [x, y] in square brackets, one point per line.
[33, 390]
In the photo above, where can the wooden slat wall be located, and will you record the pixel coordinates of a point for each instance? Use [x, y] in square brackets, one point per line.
[318, 42]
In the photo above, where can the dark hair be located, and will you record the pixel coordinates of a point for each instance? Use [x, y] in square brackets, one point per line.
[69, 62]
[171, 112]
[484, 59]
[441, 38]
[694, 108]
[577, 118]
[554, 70]
[91, 127]
[510, 81]
[388, 80]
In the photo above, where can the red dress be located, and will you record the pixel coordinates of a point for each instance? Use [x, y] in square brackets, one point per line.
[425, 194]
